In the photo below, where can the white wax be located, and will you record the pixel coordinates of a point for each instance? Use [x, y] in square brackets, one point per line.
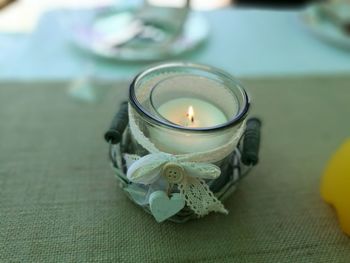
[205, 115]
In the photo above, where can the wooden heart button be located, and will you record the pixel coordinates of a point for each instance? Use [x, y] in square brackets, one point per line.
[162, 207]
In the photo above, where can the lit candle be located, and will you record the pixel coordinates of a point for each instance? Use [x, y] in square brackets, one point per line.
[189, 113]
[190, 116]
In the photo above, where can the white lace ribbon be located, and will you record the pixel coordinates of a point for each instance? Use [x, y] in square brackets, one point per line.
[210, 156]
[188, 171]
[188, 176]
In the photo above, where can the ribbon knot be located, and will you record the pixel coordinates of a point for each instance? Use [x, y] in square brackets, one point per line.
[189, 176]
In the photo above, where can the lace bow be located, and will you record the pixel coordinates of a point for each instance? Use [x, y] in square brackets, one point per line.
[188, 176]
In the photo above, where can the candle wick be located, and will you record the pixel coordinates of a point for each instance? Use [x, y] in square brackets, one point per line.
[192, 119]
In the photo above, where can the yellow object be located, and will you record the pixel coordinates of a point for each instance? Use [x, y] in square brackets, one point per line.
[335, 187]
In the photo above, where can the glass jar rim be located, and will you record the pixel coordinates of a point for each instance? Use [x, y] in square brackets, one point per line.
[239, 117]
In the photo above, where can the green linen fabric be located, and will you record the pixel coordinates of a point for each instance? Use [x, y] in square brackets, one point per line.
[60, 201]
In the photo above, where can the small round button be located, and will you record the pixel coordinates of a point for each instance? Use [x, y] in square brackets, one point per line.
[173, 172]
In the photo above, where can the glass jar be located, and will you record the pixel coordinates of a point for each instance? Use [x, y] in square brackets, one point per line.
[162, 95]
[190, 111]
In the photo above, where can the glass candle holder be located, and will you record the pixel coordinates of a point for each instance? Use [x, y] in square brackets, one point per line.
[182, 142]
[184, 107]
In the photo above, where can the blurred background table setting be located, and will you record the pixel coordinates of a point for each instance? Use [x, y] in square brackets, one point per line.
[65, 67]
[247, 40]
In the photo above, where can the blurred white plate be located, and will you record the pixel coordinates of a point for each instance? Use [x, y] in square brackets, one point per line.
[86, 34]
[324, 28]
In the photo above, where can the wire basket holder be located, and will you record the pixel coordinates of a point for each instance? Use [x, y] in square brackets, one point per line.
[165, 203]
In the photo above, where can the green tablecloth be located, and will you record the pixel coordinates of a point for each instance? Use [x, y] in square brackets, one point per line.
[60, 202]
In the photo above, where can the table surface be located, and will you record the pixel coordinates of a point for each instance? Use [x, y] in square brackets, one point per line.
[60, 201]
[245, 42]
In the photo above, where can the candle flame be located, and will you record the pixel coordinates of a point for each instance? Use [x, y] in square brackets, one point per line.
[190, 114]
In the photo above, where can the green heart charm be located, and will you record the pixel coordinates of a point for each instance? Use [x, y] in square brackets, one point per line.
[162, 207]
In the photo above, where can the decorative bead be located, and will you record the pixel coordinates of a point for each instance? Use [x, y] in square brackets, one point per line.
[118, 125]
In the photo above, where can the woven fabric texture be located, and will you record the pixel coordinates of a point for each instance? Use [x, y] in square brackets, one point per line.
[60, 202]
